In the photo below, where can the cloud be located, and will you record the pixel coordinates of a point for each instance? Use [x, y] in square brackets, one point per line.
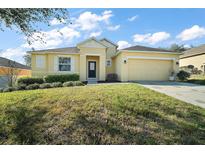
[113, 28]
[151, 38]
[14, 54]
[123, 44]
[192, 33]
[133, 18]
[95, 34]
[52, 38]
[187, 46]
[88, 21]
[56, 22]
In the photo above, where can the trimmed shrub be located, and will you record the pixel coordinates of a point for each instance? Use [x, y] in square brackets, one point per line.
[21, 87]
[32, 86]
[9, 89]
[45, 86]
[1, 90]
[56, 84]
[190, 67]
[112, 77]
[30, 80]
[61, 78]
[78, 83]
[183, 75]
[68, 84]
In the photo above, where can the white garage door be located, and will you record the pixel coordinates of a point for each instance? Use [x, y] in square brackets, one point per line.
[155, 70]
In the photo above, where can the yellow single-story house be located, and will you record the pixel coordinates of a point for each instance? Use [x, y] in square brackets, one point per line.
[93, 59]
[195, 57]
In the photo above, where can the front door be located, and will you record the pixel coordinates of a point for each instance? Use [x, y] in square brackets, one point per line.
[92, 69]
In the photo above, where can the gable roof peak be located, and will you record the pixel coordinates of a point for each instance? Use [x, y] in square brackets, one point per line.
[109, 41]
[89, 39]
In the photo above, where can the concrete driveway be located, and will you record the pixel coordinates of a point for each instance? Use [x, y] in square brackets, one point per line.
[190, 93]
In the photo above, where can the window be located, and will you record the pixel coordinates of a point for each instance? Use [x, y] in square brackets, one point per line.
[109, 63]
[40, 61]
[64, 63]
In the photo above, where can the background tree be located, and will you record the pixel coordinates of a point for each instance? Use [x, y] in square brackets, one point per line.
[25, 20]
[27, 59]
[177, 48]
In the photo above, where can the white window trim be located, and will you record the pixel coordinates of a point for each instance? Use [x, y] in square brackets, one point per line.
[72, 64]
[110, 62]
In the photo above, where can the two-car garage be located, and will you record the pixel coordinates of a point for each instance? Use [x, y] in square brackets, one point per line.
[149, 69]
[140, 63]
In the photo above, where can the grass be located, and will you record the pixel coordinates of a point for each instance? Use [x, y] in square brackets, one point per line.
[197, 79]
[102, 114]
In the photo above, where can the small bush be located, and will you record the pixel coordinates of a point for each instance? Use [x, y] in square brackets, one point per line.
[112, 77]
[183, 75]
[9, 89]
[1, 90]
[190, 67]
[61, 78]
[56, 84]
[78, 83]
[29, 80]
[21, 87]
[32, 86]
[45, 86]
[68, 84]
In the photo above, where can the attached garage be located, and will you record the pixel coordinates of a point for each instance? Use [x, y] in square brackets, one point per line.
[149, 69]
[140, 63]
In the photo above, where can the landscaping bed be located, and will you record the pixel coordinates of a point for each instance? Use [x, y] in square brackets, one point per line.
[103, 114]
[197, 79]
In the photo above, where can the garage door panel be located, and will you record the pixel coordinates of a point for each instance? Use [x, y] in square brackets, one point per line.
[140, 69]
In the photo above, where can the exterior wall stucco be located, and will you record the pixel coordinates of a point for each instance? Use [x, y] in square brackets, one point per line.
[50, 64]
[197, 61]
[87, 52]
[111, 69]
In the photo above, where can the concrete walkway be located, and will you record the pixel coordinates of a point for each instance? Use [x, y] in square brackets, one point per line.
[190, 93]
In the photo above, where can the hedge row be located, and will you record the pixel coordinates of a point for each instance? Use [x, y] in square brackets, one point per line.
[48, 79]
[42, 86]
[61, 78]
[29, 80]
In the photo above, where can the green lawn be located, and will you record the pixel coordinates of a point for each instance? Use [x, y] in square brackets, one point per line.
[102, 114]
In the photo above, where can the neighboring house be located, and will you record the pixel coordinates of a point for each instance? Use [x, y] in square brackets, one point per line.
[9, 68]
[195, 57]
[93, 59]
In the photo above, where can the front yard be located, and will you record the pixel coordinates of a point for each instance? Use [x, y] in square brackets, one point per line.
[102, 114]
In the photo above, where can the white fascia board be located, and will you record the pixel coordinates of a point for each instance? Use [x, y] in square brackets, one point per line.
[54, 53]
[151, 58]
[175, 53]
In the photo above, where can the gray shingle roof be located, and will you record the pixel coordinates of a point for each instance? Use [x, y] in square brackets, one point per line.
[68, 50]
[194, 52]
[8, 63]
[143, 48]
